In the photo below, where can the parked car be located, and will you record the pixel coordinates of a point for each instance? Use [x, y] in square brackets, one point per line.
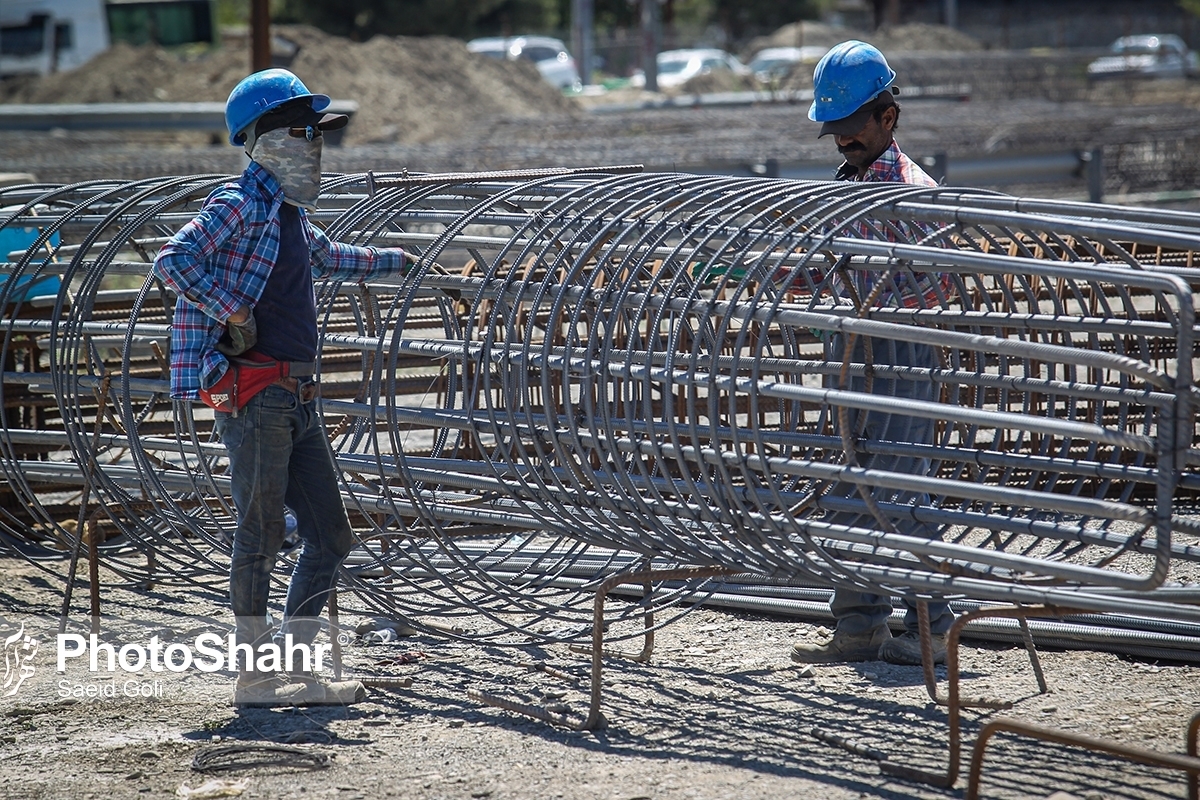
[677, 67]
[1146, 56]
[549, 55]
[776, 63]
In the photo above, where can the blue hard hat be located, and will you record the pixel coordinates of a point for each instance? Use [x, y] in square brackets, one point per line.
[846, 78]
[257, 94]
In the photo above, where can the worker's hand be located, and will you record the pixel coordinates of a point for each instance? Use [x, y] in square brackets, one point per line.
[709, 273]
[453, 294]
[241, 333]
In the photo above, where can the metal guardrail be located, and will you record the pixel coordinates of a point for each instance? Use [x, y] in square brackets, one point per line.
[949, 91]
[133, 116]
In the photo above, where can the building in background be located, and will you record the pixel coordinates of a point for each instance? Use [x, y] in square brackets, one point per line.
[38, 37]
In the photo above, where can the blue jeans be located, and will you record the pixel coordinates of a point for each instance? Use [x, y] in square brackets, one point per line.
[858, 611]
[278, 455]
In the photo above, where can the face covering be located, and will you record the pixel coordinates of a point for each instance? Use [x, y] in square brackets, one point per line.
[295, 162]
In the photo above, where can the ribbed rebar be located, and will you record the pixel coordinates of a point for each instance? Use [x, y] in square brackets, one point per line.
[603, 367]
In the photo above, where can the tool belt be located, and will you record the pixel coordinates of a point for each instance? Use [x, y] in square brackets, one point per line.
[250, 373]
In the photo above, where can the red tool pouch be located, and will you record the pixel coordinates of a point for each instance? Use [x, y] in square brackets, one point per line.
[248, 374]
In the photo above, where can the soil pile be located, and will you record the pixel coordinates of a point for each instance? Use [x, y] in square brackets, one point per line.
[718, 81]
[914, 37]
[921, 37]
[800, 34]
[408, 89]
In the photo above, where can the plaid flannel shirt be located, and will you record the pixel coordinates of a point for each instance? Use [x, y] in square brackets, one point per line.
[911, 289]
[220, 261]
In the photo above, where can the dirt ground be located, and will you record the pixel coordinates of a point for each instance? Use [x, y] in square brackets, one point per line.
[408, 89]
[719, 711]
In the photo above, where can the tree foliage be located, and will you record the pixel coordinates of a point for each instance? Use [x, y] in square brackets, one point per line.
[362, 19]
[1190, 6]
[742, 17]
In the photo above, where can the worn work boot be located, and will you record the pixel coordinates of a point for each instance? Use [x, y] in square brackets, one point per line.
[320, 692]
[843, 647]
[906, 649]
[259, 690]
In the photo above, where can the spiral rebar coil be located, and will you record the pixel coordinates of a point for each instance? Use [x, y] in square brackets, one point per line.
[589, 370]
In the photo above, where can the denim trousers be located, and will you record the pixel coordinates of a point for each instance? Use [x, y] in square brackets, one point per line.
[854, 610]
[279, 455]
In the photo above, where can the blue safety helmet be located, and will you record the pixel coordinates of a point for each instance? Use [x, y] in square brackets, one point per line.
[846, 78]
[257, 94]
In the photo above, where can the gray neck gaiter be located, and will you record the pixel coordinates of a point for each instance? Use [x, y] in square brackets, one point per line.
[293, 161]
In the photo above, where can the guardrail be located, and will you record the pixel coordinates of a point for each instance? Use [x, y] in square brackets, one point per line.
[948, 91]
[134, 116]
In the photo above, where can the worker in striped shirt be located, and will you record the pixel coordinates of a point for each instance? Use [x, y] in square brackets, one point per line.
[854, 99]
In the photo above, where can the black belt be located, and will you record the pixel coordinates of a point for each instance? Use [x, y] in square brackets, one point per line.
[301, 369]
[305, 390]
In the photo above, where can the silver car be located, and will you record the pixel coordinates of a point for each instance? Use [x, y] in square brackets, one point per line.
[549, 55]
[776, 63]
[1146, 56]
[677, 67]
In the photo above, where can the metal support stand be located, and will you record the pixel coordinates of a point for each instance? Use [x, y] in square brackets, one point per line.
[93, 454]
[951, 699]
[1189, 763]
[335, 634]
[595, 718]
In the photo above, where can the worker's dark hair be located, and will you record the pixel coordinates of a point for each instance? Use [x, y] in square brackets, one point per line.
[879, 109]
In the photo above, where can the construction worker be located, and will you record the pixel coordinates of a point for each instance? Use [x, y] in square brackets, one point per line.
[244, 339]
[854, 100]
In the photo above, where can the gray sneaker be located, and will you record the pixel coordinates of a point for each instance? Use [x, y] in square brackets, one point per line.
[906, 649]
[320, 692]
[843, 647]
[266, 691]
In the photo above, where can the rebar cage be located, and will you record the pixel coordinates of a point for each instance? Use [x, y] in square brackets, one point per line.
[584, 371]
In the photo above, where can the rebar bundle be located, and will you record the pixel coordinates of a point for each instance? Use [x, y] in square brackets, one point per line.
[586, 371]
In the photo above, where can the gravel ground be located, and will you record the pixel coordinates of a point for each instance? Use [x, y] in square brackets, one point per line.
[720, 711]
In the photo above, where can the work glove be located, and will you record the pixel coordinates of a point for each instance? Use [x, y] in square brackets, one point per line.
[239, 337]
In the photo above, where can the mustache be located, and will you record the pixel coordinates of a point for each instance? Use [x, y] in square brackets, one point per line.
[853, 147]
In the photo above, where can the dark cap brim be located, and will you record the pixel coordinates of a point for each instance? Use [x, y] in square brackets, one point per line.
[299, 115]
[848, 126]
[325, 122]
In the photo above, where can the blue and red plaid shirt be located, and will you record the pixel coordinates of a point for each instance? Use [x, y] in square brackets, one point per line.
[220, 261]
[909, 289]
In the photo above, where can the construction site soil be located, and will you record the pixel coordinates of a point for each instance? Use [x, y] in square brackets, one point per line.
[719, 712]
[428, 105]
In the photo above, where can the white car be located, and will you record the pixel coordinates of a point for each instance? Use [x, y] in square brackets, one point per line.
[776, 63]
[1146, 56]
[677, 67]
[549, 55]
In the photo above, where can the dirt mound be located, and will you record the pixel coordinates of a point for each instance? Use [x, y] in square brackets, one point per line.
[919, 36]
[720, 81]
[800, 34]
[408, 89]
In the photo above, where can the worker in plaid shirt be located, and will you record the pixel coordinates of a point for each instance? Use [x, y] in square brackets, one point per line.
[245, 340]
[854, 100]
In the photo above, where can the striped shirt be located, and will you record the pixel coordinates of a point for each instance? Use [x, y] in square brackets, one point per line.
[907, 288]
[220, 261]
